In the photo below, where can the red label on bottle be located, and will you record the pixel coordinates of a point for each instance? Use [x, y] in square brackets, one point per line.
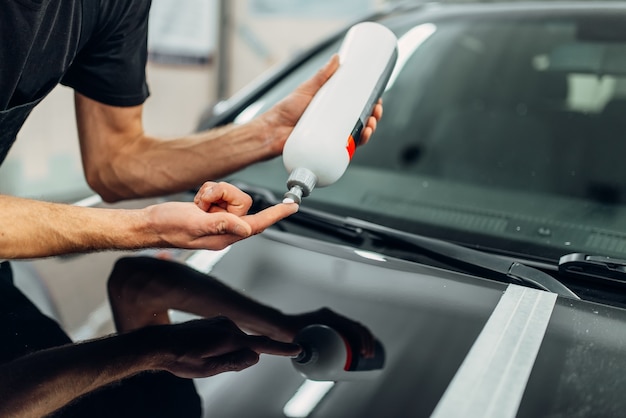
[351, 146]
[348, 365]
[354, 138]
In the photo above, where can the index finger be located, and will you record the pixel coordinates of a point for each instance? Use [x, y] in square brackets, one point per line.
[265, 345]
[267, 217]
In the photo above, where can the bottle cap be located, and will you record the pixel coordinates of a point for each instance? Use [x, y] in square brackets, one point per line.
[300, 183]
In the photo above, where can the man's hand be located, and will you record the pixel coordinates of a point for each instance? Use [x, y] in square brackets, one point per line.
[185, 225]
[280, 120]
[39, 383]
[206, 347]
[41, 229]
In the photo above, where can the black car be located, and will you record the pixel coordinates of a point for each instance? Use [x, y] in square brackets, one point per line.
[481, 234]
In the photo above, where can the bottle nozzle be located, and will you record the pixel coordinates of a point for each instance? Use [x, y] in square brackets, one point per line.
[294, 195]
[301, 182]
[307, 355]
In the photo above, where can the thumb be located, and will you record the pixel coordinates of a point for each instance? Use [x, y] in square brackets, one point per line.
[312, 85]
[231, 362]
[223, 223]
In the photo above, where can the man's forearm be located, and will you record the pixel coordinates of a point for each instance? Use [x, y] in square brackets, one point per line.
[121, 161]
[143, 289]
[30, 228]
[40, 383]
[149, 166]
[156, 167]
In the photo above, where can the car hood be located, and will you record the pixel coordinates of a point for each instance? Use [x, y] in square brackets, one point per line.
[428, 319]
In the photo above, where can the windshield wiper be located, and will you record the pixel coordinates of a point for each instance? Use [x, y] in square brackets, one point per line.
[503, 268]
[594, 267]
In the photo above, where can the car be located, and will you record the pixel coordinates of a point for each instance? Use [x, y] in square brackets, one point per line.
[480, 234]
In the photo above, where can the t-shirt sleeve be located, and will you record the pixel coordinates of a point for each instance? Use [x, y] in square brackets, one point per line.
[111, 67]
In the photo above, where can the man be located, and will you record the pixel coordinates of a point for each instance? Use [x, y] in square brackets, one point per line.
[98, 47]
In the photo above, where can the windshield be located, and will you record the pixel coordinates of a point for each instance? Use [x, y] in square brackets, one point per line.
[499, 132]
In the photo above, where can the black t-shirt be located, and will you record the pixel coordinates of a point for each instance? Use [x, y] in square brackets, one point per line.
[97, 47]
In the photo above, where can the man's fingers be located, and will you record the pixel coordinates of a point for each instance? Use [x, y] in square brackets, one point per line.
[239, 359]
[267, 217]
[266, 345]
[312, 85]
[368, 131]
[372, 123]
[224, 195]
[377, 112]
[224, 224]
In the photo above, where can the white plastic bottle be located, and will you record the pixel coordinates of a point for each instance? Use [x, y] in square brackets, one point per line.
[327, 356]
[323, 141]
